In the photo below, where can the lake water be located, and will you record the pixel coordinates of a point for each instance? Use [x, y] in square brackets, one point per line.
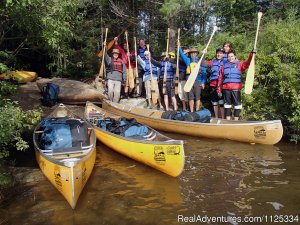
[224, 182]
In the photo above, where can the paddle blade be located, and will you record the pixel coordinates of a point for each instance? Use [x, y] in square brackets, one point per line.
[130, 78]
[191, 80]
[154, 96]
[250, 78]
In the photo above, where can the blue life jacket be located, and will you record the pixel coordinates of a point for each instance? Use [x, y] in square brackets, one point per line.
[141, 52]
[170, 72]
[215, 69]
[231, 73]
[147, 68]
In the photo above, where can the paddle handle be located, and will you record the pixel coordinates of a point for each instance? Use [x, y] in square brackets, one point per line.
[128, 51]
[211, 36]
[167, 50]
[101, 71]
[136, 60]
[150, 64]
[259, 15]
[178, 46]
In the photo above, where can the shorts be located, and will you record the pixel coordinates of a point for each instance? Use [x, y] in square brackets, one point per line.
[195, 92]
[170, 85]
[232, 97]
[215, 99]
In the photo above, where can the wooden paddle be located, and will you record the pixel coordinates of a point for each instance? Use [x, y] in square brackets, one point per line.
[177, 65]
[190, 82]
[137, 81]
[111, 43]
[251, 70]
[130, 78]
[154, 97]
[101, 71]
[166, 65]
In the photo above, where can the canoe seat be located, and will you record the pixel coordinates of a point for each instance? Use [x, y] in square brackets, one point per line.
[151, 137]
[66, 151]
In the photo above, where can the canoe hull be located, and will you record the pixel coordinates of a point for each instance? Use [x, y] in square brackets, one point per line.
[167, 158]
[68, 169]
[265, 132]
[162, 153]
[68, 180]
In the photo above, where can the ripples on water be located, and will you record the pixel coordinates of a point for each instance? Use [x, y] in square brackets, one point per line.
[221, 178]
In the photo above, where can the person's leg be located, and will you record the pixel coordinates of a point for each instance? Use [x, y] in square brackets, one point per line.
[227, 104]
[148, 92]
[191, 97]
[117, 91]
[166, 100]
[191, 104]
[236, 95]
[221, 106]
[171, 94]
[158, 94]
[110, 87]
[197, 92]
[198, 104]
[214, 101]
[183, 105]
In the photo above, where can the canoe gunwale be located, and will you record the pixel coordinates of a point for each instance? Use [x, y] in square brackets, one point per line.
[233, 122]
[167, 142]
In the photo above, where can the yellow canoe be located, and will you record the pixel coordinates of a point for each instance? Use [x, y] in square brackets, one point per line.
[262, 132]
[154, 149]
[19, 76]
[68, 169]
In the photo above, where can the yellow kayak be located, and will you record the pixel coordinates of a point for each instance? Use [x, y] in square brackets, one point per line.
[152, 149]
[68, 168]
[19, 76]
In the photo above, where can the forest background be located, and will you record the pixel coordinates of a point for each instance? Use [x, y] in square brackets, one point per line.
[62, 38]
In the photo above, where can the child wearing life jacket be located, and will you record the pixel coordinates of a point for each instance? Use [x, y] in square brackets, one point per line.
[215, 66]
[167, 65]
[230, 83]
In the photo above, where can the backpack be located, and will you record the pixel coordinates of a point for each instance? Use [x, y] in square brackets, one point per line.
[202, 116]
[63, 133]
[169, 115]
[50, 94]
[124, 127]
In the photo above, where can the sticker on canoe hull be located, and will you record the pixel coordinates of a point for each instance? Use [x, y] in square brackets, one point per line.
[173, 150]
[260, 132]
[159, 155]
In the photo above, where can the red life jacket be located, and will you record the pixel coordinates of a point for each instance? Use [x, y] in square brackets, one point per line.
[116, 65]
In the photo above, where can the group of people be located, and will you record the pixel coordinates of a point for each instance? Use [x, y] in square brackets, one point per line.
[225, 72]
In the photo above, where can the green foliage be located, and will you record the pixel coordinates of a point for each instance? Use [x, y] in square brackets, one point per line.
[6, 89]
[13, 120]
[276, 92]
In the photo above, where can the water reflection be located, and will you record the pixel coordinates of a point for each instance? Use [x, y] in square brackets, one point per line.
[220, 178]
